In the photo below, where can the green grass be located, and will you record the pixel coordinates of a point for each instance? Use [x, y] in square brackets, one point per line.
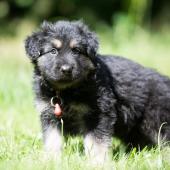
[20, 138]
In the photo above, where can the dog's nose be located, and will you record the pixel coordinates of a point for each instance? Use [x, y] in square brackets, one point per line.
[66, 69]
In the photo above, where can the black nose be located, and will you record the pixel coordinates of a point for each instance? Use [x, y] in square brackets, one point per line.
[66, 69]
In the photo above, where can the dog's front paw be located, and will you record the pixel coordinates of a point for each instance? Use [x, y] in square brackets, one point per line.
[96, 151]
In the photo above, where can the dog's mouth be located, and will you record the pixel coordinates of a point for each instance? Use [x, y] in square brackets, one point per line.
[63, 84]
[64, 81]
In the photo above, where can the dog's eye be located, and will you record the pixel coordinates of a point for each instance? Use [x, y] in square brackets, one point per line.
[53, 51]
[76, 50]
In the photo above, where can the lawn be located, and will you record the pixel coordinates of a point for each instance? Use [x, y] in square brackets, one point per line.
[20, 135]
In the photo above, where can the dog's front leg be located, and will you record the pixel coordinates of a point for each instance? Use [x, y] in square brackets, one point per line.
[50, 128]
[96, 149]
[98, 141]
[53, 141]
[52, 136]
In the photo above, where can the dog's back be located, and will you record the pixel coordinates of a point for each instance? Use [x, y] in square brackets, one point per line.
[143, 100]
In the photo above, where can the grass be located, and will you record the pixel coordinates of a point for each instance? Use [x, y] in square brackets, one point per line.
[20, 138]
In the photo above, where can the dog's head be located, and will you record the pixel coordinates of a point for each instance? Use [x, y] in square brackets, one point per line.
[63, 52]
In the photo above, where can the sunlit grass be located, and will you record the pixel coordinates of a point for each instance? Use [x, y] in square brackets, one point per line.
[20, 137]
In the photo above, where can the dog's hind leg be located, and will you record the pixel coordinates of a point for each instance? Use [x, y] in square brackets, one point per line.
[155, 124]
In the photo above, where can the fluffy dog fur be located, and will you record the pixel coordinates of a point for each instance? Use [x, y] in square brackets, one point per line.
[102, 96]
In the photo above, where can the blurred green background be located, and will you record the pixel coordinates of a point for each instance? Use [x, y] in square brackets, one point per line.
[150, 13]
[136, 29]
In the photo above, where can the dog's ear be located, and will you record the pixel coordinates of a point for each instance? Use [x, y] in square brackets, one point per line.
[32, 45]
[90, 37]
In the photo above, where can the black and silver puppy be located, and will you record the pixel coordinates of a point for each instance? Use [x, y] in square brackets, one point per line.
[96, 96]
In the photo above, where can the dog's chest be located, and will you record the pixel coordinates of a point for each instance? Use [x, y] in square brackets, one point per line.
[74, 117]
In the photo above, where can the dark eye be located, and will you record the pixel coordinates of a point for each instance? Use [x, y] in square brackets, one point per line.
[53, 51]
[76, 50]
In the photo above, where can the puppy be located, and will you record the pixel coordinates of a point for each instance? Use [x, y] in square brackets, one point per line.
[96, 96]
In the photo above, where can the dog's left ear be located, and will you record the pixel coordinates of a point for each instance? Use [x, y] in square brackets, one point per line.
[90, 38]
[32, 45]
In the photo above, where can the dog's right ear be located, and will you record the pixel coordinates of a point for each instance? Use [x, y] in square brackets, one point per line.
[32, 45]
[89, 36]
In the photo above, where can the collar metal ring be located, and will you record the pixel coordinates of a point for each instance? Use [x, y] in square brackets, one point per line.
[56, 99]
